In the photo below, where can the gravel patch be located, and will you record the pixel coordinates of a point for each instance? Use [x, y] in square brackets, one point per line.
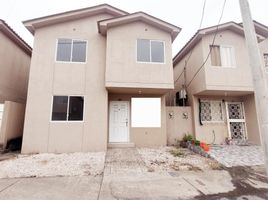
[161, 159]
[48, 164]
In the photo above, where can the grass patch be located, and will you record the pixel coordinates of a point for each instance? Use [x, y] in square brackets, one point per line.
[177, 153]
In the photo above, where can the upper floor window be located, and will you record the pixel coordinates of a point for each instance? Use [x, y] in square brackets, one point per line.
[265, 56]
[71, 50]
[222, 56]
[150, 51]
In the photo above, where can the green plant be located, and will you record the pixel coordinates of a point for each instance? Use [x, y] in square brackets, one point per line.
[187, 137]
[197, 142]
[177, 153]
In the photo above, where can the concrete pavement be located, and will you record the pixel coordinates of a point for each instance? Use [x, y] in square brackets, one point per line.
[54, 188]
[126, 177]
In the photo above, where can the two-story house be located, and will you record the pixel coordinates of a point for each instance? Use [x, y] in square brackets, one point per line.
[15, 57]
[213, 69]
[98, 77]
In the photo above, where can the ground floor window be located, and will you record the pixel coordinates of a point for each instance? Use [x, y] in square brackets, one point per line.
[145, 112]
[211, 111]
[67, 108]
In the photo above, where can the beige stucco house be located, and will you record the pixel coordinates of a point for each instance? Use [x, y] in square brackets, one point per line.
[98, 78]
[213, 68]
[15, 57]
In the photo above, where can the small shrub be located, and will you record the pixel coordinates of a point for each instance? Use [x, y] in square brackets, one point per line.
[197, 142]
[177, 153]
[187, 137]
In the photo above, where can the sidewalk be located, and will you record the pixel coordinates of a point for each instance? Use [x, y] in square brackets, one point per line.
[53, 188]
[126, 177]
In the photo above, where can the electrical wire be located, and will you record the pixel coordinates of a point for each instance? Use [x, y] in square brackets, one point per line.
[213, 41]
[190, 54]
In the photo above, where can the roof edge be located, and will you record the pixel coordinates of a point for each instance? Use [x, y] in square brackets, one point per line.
[14, 37]
[29, 24]
[174, 30]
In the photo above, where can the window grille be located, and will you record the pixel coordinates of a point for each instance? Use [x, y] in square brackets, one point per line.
[211, 111]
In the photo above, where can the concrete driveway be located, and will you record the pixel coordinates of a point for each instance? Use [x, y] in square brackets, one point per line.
[126, 177]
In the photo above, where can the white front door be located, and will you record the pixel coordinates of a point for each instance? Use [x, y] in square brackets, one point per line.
[119, 121]
[236, 120]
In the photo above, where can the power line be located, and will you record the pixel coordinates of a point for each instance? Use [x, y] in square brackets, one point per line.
[190, 54]
[213, 41]
[186, 62]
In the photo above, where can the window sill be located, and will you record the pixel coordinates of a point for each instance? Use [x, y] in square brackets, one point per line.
[152, 63]
[66, 62]
[213, 122]
[57, 121]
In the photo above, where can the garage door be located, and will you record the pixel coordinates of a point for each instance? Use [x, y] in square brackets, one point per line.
[1, 113]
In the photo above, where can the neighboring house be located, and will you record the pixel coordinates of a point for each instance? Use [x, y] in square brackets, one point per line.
[98, 77]
[218, 83]
[15, 58]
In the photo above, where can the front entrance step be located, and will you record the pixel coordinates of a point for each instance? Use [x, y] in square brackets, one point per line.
[121, 145]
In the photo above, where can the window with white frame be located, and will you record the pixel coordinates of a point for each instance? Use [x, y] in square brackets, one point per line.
[265, 57]
[145, 112]
[71, 50]
[151, 51]
[222, 55]
[211, 111]
[67, 108]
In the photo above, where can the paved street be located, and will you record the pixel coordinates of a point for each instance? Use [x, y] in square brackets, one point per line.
[126, 177]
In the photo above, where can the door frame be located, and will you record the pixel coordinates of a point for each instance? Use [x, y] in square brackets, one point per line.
[128, 125]
[236, 120]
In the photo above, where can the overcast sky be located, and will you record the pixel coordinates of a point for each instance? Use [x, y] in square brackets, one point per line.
[183, 13]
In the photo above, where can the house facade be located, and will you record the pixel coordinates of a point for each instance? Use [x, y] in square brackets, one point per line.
[213, 69]
[15, 58]
[98, 78]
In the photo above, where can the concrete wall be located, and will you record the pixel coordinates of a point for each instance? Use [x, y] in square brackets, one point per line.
[122, 68]
[216, 78]
[199, 83]
[236, 78]
[145, 137]
[48, 78]
[12, 122]
[264, 49]
[177, 124]
[14, 71]
[251, 119]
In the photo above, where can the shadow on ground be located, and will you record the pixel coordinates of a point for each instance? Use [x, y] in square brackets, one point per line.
[249, 183]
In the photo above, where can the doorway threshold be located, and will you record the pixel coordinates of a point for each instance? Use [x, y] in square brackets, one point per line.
[121, 145]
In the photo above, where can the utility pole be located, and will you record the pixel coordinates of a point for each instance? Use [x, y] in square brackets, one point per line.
[259, 82]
